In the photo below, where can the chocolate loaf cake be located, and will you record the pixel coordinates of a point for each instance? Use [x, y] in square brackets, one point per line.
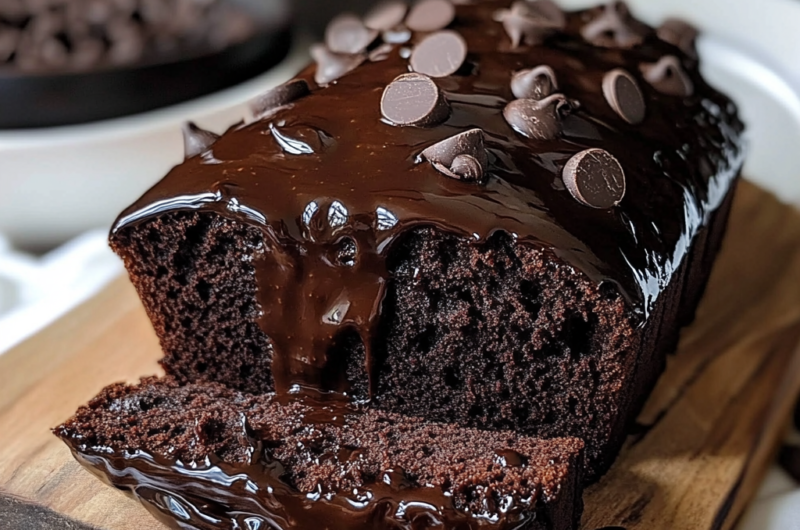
[482, 224]
[209, 457]
[502, 224]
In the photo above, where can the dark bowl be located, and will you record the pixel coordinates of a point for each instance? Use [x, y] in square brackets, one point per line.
[43, 100]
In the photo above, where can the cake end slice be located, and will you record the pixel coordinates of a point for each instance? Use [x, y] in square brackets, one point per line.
[205, 456]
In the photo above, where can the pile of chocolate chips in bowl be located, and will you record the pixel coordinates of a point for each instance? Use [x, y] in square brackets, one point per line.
[70, 62]
[77, 35]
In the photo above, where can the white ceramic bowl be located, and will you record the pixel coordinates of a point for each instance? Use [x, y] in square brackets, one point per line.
[57, 183]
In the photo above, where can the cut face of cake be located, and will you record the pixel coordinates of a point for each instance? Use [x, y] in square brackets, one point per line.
[209, 457]
[498, 224]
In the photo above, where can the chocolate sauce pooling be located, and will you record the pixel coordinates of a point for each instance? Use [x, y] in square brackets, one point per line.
[328, 174]
[254, 494]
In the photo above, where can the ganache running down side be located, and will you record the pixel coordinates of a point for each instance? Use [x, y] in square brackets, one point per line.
[491, 217]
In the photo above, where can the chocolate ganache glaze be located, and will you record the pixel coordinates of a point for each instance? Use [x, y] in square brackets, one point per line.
[333, 184]
[267, 479]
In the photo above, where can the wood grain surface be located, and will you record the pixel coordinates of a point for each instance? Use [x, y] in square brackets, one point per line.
[702, 446]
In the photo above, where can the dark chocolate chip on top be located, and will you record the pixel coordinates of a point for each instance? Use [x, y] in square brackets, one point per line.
[681, 34]
[534, 83]
[197, 141]
[414, 100]
[623, 94]
[279, 96]
[347, 34]
[462, 156]
[430, 15]
[331, 66]
[440, 54]
[467, 167]
[387, 15]
[538, 119]
[615, 27]
[595, 178]
[668, 77]
[530, 23]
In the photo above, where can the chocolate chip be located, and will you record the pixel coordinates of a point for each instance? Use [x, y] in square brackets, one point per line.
[348, 35]
[534, 83]
[681, 34]
[431, 15]
[531, 22]
[462, 156]
[386, 15]
[332, 66]
[624, 96]
[440, 54]
[538, 119]
[414, 99]
[278, 97]
[467, 168]
[595, 178]
[197, 141]
[615, 27]
[668, 77]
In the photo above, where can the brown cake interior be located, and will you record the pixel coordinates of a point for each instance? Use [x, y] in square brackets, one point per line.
[473, 326]
[332, 449]
[504, 336]
[499, 336]
[195, 275]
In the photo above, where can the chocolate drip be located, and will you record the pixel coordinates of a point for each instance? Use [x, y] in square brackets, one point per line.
[349, 185]
[335, 280]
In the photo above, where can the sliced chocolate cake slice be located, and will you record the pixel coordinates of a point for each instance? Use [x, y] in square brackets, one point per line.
[207, 457]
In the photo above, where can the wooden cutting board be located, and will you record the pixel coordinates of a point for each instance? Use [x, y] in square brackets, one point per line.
[705, 438]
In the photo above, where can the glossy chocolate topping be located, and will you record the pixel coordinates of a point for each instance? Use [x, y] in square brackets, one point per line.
[214, 495]
[305, 465]
[333, 184]
[211, 495]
